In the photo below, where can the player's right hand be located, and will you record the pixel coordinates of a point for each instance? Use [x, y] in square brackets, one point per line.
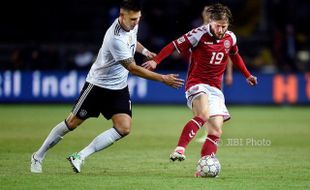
[252, 80]
[173, 80]
[149, 65]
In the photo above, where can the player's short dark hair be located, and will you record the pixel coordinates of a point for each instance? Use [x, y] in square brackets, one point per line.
[219, 12]
[131, 5]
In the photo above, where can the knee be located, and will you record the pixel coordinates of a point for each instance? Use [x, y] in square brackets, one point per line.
[124, 129]
[122, 123]
[216, 131]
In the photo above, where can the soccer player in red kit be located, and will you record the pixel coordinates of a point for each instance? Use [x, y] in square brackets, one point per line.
[211, 45]
[228, 78]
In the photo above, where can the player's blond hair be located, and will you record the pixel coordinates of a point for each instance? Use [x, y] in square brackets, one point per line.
[216, 12]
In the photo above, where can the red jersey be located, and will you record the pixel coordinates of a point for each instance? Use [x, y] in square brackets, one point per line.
[209, 56]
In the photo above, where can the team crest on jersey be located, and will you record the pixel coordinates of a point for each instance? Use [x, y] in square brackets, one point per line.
[227, 44]
[181, 40]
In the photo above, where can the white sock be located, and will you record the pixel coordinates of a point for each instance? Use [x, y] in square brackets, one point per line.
[52, 139]
[102, 141]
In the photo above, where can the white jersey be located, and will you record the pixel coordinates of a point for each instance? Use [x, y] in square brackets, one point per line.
[118, 44]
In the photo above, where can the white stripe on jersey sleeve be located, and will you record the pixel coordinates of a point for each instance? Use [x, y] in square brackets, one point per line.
[176, 47]
[195, 35]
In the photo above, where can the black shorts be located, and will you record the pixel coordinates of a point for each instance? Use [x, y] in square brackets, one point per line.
[94, 100]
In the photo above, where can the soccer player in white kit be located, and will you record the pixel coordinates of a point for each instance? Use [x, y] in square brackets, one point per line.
[105, 90]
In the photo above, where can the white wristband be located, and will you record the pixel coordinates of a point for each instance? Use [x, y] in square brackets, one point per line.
[144, 51]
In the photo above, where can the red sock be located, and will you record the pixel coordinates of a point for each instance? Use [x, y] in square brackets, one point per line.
[190, 130]
[210, 146]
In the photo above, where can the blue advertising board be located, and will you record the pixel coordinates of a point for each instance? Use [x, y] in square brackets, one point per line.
[64, 87]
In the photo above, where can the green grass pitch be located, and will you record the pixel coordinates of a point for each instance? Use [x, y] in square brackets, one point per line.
[261, 148]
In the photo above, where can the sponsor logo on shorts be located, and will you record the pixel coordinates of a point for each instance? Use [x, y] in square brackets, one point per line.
[83, 113]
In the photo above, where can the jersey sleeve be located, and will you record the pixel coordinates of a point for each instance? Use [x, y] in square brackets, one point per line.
[120, 50]
[239, 63]
[189, 39]
[234, 49]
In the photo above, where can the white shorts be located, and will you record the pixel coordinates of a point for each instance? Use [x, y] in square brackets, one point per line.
[216, 99]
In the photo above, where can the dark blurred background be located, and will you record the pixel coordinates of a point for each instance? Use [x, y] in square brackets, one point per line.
[273, 35]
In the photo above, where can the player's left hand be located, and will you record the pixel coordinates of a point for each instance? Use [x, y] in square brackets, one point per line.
[173, 80]
[150, 65]
[252, 80]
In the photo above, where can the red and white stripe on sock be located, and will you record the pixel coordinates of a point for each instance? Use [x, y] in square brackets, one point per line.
[210, 146]
[190, 130]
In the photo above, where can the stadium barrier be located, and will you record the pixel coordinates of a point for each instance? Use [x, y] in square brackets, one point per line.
[64, 87]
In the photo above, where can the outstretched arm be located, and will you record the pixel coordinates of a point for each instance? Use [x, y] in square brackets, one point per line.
[183, 43]
[165, 52]
[238, 61]
[169, 79]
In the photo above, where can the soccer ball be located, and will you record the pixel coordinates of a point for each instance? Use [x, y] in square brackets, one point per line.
[208, 166]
